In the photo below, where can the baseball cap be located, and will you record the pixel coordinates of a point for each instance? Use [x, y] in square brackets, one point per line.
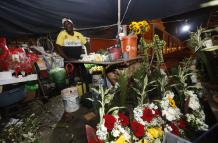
[66, 19]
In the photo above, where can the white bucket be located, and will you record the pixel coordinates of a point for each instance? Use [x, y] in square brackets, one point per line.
[71, 99]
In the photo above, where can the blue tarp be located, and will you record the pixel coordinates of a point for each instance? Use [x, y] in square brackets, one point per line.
[44, 16]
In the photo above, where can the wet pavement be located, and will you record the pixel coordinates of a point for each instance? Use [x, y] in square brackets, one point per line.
[55, 125]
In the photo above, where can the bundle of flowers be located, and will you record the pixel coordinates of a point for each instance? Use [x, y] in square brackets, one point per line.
[96, 69]
[113, 128]
[168, 106]
[195, 117]
[177, 127]
[139, 27]
[172, 114]
[147, 124]
[177, 113]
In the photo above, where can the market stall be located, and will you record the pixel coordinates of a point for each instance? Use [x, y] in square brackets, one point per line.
[117, 72]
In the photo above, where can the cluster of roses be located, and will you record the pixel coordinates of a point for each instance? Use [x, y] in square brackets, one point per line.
[150, 121]
[114, 127]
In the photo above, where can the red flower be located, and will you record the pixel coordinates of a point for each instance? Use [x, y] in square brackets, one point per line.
[181, 124]
[109, 122]
[175, 130]
[138, 129]
[123, 119]
[147, 115]
[157, 112]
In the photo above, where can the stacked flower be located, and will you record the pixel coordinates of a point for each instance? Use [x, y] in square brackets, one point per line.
[195, 116]
[172, 114]
[139, 27]
[147, 126]
[114, 127]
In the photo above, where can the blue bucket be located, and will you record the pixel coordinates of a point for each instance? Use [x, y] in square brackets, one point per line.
[12, 96]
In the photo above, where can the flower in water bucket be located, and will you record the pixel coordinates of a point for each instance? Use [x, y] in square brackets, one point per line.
[139, 27]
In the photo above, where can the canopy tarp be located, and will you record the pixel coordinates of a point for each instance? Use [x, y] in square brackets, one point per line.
[44, 16]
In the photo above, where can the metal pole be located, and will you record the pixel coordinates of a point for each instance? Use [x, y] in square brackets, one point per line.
[118, 14]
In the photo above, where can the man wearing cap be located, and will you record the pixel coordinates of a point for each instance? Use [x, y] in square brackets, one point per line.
[69, 38]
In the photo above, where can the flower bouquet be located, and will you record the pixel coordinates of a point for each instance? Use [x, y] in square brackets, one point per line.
[113, 125]
[147, 124]
[139, 29]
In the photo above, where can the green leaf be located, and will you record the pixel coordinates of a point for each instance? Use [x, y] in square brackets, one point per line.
[114, 108]
[90, 99]
[95, 90]
[212, 48]
[136, 90]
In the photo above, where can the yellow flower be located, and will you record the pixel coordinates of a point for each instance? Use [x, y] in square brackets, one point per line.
[172, 102]
[139, 27]
[143, 141]
[138, 31]
[121, 139]
[141, 24]
[145, 22]
[154, 133]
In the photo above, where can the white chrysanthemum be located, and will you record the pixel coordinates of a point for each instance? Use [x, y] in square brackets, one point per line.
[153, 106]
[138, 113]
[125, 132]
[193, 101]
[164, 103]
[171, 113]
[202, 115]
[197, 122]
[102, 132]
[167, 128]
[157, 140]
[194, 78]
[169, 94]
[115, 132]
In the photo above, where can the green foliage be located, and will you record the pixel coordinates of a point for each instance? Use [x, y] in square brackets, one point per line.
[105, 98]
[157, 45]
[141, 90]
[25, 130]
[181, 82]
[123, 83]
[196, 42]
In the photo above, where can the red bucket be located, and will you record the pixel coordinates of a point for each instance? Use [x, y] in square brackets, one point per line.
[129, 44]
[115, 53]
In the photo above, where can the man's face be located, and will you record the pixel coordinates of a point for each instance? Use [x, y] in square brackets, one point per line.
[68, 26]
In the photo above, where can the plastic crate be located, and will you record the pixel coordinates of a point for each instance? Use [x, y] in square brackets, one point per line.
[12, 96]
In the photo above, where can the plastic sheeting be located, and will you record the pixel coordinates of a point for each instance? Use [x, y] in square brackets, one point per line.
[44, 16]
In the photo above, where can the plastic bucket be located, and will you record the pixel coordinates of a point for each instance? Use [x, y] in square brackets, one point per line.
[81, 88]
[58, 75]
[129, 44]
[115, 53]
[12, 96]
[70, 99]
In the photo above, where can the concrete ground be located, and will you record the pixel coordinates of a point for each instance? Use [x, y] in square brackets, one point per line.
[57, 127]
